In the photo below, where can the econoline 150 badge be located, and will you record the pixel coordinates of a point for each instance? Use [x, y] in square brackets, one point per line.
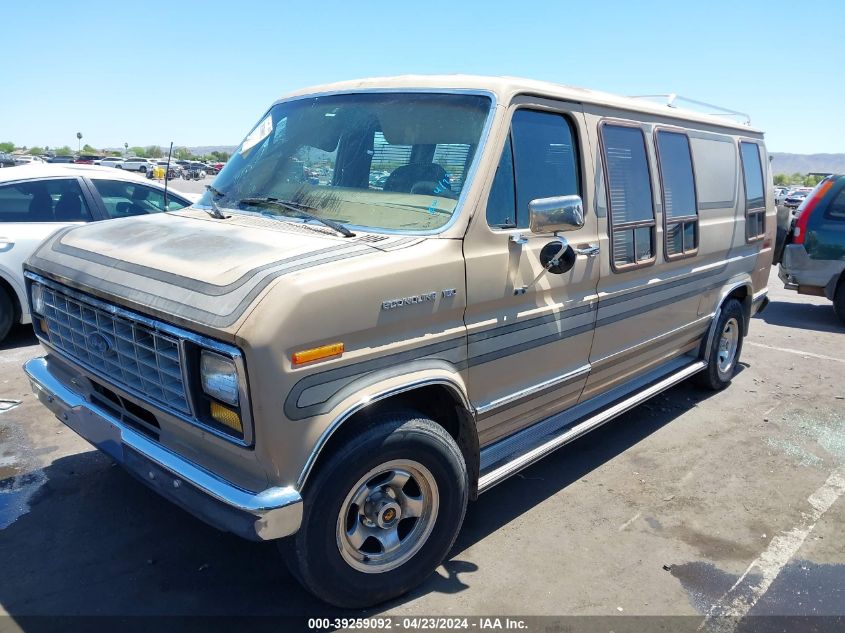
[392, 304]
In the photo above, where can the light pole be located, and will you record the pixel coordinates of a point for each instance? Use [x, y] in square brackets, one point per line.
[125, 149]
[78, 142]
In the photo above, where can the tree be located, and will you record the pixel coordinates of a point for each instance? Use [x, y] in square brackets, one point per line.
[220, 156]
[87, 149]
[780, 179]
[138, 151]
[812, 181]
[154, 151]
[182, 153]
[7, 147]
[64, 150]
[35, 151]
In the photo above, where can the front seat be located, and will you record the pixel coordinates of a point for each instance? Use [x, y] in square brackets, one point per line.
[422, 178]
[69, 208]
[40, 207]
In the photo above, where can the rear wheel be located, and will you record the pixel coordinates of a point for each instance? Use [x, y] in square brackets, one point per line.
[381, 514]
[839, 300]
[724, 349]
[7, 313]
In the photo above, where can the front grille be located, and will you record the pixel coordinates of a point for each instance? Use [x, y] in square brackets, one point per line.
[126, 353]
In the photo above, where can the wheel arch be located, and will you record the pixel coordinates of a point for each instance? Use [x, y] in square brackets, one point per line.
[742, 291]
[442, 399]
[15, 295]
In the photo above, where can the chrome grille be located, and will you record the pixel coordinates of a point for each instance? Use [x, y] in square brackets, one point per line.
[126, 353]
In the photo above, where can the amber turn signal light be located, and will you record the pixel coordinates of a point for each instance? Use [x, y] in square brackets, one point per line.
[317, 353]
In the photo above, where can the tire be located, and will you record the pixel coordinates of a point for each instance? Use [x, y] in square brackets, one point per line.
[142, 169]
[725, 348]
[7, 314]
[356, 502]
[839, 300]
[118, 166]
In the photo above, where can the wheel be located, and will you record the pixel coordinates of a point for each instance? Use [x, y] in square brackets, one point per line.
[142, 169]
[381, 513]
[724, 349]
[839, 300]
[7, 314]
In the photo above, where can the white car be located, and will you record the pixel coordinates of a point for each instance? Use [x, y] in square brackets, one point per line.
[29, 160]
[134, 163]
[112, 161]
[36, 200]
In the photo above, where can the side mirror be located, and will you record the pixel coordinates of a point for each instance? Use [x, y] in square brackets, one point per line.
[561, 213]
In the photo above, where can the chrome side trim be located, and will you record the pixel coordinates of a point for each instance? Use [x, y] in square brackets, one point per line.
[183, 335]
[528, 391]
[277, 510]
[569, 433]
[365, 402]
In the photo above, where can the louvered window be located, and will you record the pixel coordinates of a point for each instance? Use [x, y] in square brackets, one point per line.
[755, 202]
[632, 221]
[680, 205]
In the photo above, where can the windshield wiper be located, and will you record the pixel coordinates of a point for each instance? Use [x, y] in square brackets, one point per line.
[302, 209]
[215, 212]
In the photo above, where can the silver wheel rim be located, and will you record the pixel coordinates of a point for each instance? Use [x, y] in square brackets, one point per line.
[387, 516]
[728, 342]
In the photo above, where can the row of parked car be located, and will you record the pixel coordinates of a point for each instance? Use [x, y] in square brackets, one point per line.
[178, 168]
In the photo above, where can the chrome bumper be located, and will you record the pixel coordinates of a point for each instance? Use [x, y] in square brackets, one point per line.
[269, 514]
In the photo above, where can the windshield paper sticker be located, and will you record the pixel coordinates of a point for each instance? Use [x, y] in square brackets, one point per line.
[261, 132]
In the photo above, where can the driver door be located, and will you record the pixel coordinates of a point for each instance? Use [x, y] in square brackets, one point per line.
[529, 345]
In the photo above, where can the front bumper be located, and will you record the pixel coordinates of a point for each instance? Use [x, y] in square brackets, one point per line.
[269, 514]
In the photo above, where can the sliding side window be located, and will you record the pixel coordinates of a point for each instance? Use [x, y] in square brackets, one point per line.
[632, 222]
[680, 204]
[755, 201]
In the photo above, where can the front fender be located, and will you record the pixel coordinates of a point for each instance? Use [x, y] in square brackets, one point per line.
[377, 386]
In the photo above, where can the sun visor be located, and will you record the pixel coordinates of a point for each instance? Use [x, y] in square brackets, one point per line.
[425, 124]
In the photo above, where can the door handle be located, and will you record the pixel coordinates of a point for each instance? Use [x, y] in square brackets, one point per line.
[591, 250]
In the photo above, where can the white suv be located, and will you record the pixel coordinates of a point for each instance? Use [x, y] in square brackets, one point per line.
[112, 161]
[134, 163]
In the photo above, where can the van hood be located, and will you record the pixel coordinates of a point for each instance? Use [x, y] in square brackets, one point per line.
[190, 269]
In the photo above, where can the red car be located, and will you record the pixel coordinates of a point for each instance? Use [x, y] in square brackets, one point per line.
[87, 159]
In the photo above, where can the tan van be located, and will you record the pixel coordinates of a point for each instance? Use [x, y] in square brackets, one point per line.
[397, 293]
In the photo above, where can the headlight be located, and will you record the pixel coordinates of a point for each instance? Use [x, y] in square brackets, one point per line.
[219, 377]
[37, 292]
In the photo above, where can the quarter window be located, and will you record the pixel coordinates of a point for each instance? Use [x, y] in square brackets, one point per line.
[680, 206]
[755, 204]
[836, 210]
[632, 221]
[122, 198]
[539, 160]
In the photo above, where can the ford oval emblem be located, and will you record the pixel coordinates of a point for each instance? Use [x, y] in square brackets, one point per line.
[99, 344]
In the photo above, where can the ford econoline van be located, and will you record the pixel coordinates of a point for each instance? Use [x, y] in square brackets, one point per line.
[396, 294]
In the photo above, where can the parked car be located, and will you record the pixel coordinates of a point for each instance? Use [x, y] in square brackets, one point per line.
[345, 368]
[37, 200]
[135, 163]
[25, 159]
[796, 197]
[87, 159]
[193, 171]
[813, 259]
[175, 170]
[112, 161]
[61, 159]
[780, 194]
[7, 160]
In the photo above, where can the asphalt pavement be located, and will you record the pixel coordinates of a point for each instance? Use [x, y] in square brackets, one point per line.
[695, 503]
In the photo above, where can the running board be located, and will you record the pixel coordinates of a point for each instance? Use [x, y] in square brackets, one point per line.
[568, 433]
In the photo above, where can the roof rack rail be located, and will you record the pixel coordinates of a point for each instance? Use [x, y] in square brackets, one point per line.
[671, 99]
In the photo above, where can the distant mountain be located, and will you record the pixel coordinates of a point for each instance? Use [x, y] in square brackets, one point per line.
[807, 163]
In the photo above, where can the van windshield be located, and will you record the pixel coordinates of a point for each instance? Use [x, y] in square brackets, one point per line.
[395, 161]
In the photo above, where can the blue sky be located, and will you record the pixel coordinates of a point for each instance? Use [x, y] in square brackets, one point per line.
[202, 73]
